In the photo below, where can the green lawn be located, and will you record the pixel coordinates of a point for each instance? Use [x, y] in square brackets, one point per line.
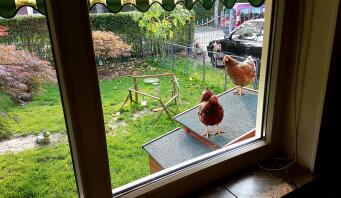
[47, 171]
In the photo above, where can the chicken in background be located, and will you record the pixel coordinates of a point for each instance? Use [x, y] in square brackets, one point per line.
[210, 112]
[216, 47]
[198, 48]
[241, 73]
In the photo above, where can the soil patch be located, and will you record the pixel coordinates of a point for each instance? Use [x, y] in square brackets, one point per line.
[19, 144]
[128, 68]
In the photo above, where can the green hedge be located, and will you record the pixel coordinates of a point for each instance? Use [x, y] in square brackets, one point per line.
[202, 14]
[31, 33]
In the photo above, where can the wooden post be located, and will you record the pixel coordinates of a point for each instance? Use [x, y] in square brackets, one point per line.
[174, 89]
[225, 80]
[203, 67]
[166, 110]
[136, 88]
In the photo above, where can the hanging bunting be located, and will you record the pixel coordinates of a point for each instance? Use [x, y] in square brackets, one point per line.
[8, 8]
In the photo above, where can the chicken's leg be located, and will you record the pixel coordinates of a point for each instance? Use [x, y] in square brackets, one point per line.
[207, 132]
[218, 130]
[239, 91]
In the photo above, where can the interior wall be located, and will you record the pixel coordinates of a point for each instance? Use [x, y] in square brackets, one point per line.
[307, 60]
[287, 69]
[328, 139]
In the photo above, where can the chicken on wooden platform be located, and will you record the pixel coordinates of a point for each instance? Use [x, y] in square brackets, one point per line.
[211, 112]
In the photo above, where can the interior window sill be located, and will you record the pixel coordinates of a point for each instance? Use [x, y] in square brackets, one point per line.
[256, 182]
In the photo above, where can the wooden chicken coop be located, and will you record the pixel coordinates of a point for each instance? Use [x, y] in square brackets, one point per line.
[182, 144]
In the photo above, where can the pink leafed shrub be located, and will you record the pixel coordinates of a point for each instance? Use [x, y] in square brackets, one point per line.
[21, 73]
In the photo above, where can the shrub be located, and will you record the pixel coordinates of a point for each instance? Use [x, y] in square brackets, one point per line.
[108, 45]
[28, 33]
[3, 31]
[123, 25]
[21, 73]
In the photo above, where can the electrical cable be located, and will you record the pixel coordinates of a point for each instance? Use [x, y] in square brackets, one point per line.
[296, 99]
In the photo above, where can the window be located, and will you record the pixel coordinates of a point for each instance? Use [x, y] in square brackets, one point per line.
[257, 13]
[248, 31]
[244, 14]
[76, 68]
[35, 157]
[158, 70]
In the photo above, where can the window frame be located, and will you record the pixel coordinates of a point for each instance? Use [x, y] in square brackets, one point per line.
[71, 59]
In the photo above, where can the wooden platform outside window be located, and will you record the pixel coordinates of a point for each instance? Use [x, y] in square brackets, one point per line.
[182, 144]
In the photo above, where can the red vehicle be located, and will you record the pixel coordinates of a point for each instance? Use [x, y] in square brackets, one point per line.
[231, 18]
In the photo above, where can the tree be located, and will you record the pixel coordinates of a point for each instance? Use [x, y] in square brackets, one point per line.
[159, 25]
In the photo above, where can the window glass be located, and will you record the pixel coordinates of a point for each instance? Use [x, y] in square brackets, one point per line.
[153, 70]
[35, 158]
[171, 88]
[256, 12]
[244, 14]
[248, 31]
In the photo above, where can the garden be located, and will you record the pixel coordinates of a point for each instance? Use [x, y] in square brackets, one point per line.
[125, 44]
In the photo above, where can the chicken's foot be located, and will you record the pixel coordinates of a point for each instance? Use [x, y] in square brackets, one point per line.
[218, 130]
[207, 132]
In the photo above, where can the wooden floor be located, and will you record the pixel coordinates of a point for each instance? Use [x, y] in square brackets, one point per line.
[256, 182]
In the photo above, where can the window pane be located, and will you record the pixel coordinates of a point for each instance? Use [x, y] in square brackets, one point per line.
[154, 67]
[248, 31]
[35, 158]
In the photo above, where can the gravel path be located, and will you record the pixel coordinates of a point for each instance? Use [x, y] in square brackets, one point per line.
[19, 144]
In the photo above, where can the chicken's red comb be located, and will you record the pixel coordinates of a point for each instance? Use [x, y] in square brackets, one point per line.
[206, 95]
[214, 99]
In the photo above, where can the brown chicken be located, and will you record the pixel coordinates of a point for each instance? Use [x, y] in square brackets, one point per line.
[210, 111]
[241, 73]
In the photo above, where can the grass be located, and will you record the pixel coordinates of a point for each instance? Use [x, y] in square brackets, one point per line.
[5, 104]
[47, 171]
[44, 112]
[196, 70]
[43, 172]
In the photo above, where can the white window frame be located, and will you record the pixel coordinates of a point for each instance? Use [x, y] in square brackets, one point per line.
[75, 61]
